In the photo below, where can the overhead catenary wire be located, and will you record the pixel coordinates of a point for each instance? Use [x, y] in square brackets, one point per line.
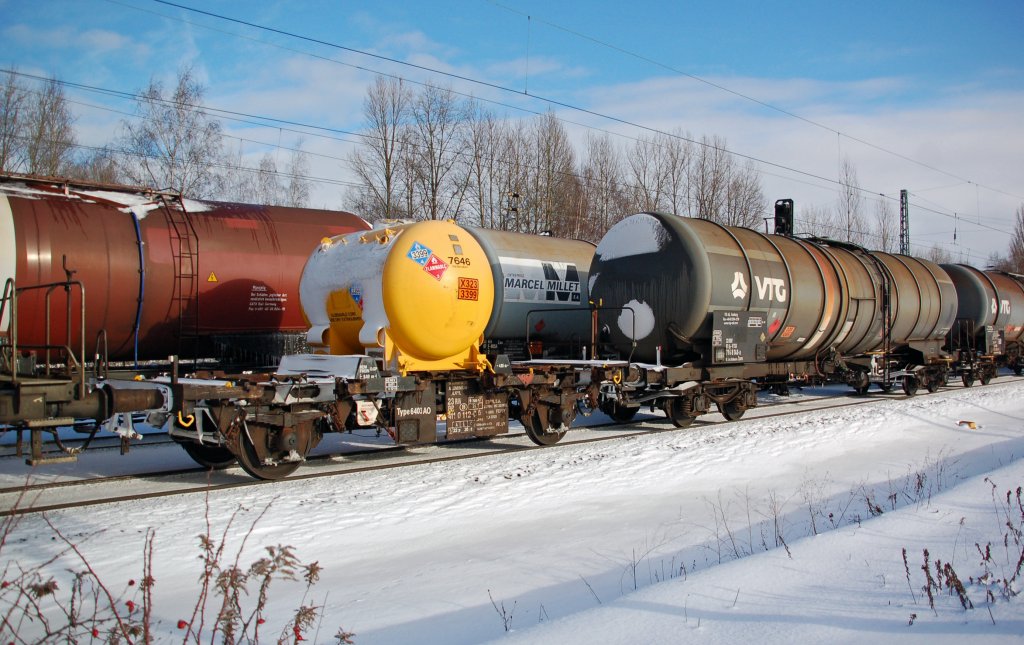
[580, 109]
[552, 101]
[744, 96]
[467, 79]
[262, 120]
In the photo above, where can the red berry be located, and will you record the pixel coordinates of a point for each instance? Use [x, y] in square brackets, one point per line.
[131, 605]
[260, 621]
[131, 583]
[95, 633]
[182, 624]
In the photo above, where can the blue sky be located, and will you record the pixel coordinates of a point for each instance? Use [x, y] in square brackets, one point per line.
[939, 83]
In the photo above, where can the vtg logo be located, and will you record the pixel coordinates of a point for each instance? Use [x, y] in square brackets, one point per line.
[770, 289]
[739, 286]
[767, 288]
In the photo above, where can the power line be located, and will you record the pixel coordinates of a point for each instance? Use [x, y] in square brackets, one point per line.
[491, 85]
[743, 96]
[261, 119]
[572, 107]
[238, 115]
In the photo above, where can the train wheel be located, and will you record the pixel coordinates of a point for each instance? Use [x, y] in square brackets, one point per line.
[732, 411]
[862, 383]
[932, 384]
[207, 456]
[910, 385]
[985, 377]
[967, 378]
[680, 412]
[266, 452]
[538, 424]
[619, 413]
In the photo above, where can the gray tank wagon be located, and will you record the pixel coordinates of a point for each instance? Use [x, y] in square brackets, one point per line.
[990, 317]
[710, 312]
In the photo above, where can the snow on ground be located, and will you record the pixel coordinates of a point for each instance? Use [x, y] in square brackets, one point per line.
[656, 538]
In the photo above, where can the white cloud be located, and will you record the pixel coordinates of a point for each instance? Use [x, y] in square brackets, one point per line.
[91, 42]
[973, 135]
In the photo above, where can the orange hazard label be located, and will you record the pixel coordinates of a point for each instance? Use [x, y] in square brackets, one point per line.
[212, 278]
[469, 289]
[788, 331]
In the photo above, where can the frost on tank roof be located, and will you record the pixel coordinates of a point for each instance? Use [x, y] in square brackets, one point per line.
[126, 201]
[635, 235]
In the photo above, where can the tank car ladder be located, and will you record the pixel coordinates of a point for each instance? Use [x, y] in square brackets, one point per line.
[185, 257]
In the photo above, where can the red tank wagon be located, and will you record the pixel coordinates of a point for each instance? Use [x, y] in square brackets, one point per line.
[160, 274]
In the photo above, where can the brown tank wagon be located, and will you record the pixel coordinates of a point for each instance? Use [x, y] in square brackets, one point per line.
[161, 274]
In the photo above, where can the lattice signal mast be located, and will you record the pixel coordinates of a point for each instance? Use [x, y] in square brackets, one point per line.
[904, 223]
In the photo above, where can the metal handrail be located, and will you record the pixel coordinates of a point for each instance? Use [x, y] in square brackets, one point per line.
[12, 292]
[104, 357]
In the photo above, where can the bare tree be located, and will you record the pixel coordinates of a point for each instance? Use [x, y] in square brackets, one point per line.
[49, 132]
[37, 133]
[602, 192]
[744, 202]
[817, 221]
[999, 262]
[173, 143]
[552, 186]
[99, 166]
[266, 187]
[647, 177]
[677, 155]
[438, 144]
[850, 204]
[13, 100]
[296, 191]
[709, 178]
[886, 226]
[485, 190]
[938, 255]
[1016, 254]
[266, 184]
[238, 181]
[515, 156]
[386, 109]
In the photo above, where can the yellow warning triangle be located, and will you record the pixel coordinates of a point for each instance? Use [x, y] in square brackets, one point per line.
[212, 278]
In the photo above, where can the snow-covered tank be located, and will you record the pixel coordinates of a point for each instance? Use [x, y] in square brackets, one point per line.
[429, 292]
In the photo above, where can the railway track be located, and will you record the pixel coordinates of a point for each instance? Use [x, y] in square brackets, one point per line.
[73, 493]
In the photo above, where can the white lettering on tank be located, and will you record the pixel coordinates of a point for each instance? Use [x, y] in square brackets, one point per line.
[771, 288]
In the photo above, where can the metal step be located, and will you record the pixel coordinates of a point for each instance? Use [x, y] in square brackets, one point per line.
[54, 422]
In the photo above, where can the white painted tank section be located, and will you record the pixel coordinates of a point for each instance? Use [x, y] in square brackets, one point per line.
[8, 252]
[346, 264]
